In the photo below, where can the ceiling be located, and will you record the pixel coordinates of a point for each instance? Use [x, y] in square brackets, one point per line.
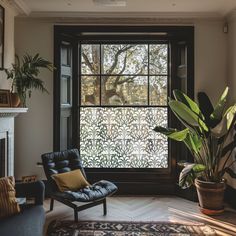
[216, 7]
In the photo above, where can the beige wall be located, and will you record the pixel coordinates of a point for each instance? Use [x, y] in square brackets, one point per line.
[231, 66]
[34, 130]
[210, 58]
[231, 75]
[9, 50]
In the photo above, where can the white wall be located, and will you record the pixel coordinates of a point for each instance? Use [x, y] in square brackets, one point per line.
[34, 130]
[9, 50]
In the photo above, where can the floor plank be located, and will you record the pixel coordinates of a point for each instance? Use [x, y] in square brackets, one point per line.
[157, 208]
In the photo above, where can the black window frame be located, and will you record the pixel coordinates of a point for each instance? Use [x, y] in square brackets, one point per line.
[133, 178]
[162, 170]
[148, 75]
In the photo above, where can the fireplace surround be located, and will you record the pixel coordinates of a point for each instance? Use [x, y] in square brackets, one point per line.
[7, 120]
[3, 154]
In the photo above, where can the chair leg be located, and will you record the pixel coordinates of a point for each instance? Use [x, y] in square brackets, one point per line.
[76, 215]
[51, 204]
[104, 207]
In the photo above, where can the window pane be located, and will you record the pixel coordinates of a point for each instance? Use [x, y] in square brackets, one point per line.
[123, 137]
[90, 90]
[66, 55]
[124, 59]
[158, 59]
[158, 90]
[124, 90]
[66, 90]
[90, 58]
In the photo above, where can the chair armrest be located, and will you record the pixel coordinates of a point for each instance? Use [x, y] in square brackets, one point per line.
[34, 190]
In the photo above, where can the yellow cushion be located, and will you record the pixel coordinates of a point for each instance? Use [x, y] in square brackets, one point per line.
[70, 181]
[8, 203]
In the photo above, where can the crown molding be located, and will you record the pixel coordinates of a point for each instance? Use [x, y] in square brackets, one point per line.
[107, 21]
[159, 15]
[20, 6]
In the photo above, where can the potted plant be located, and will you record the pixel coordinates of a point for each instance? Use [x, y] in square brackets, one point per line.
[24, 76]
[208, 136]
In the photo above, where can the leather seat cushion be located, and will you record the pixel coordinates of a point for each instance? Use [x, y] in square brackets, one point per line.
[94, 192]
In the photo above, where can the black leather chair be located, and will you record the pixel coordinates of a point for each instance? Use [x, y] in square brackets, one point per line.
[64, 161]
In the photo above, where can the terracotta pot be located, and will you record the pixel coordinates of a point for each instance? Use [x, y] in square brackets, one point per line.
[210, 196]
[15, 100]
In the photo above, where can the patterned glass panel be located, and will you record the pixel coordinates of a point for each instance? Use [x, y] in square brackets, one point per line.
[123, 137]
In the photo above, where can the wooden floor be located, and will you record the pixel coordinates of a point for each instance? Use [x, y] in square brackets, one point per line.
[158, 208]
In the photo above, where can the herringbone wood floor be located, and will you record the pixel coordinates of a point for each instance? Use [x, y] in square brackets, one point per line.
[158, 208]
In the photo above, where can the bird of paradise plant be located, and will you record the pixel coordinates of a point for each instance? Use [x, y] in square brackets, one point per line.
[206, 135]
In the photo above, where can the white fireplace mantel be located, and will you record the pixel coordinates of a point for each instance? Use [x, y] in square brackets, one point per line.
[7, 120]
[11, 111]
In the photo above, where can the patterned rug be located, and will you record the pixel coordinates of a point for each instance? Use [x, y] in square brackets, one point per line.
[90, 228]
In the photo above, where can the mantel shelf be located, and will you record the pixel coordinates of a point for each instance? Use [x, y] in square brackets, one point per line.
[11, 111]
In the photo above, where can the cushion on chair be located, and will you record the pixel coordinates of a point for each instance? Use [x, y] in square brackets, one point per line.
[61, 162]
[94, 192]
[70, 181]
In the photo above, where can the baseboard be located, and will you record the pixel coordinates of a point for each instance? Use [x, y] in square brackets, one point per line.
[145, 188]
[189, 193]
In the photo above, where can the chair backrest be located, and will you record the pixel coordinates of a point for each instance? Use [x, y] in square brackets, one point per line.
[61, 162]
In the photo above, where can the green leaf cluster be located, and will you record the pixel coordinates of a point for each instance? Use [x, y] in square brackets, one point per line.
[206, 135]
[24, 75]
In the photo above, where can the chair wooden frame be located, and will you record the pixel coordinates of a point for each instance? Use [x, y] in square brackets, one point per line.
[79, 208]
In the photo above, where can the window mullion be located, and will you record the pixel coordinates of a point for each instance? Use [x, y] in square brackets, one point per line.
[148, 85]
[100, 76]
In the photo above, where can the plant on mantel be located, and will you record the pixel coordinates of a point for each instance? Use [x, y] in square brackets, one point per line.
[24, 75]
[208, 136]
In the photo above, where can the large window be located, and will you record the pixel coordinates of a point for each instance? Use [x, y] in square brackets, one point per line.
[123, 97]
[111, 88]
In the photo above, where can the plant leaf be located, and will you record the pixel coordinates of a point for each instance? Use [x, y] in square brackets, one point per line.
[163, 130]
[186, 114]
[181, 97]
[230, 172]
[230, 115]
[189, 173]
[206, 108]
[220, 106]
[179, 135]
[230, 146]
[173, 133]
[193, 142]
[220, 129]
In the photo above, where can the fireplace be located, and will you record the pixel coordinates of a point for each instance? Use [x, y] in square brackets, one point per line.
[7, 118]
[3, 155]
